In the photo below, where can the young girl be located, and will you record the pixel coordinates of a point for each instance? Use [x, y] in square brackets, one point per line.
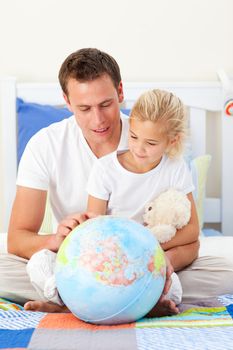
[122, 183]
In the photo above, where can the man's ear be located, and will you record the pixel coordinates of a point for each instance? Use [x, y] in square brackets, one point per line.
[66, 98]
[120, 92]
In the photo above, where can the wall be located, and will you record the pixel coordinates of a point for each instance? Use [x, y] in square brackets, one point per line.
[151, 40]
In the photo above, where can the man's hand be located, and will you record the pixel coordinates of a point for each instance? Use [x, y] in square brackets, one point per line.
[169, 271]
[66, 226]
[165, 307]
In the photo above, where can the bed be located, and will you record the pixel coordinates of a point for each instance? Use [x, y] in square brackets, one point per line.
[205, 325]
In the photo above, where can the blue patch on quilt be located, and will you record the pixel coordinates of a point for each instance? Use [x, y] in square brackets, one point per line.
[15, 338]
[230, 309]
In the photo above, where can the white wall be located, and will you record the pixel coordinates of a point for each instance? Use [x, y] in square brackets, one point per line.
[151, 39]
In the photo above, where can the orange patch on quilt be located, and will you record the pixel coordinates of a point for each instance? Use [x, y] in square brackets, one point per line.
[69, 321]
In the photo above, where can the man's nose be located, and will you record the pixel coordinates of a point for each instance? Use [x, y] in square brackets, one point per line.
[98, 115]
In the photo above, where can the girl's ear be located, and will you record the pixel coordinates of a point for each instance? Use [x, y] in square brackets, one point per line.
[174, 140]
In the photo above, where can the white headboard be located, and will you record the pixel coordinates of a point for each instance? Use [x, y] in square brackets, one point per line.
[200, 97]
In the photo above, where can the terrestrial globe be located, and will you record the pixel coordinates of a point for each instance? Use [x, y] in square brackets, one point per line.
[110, 270]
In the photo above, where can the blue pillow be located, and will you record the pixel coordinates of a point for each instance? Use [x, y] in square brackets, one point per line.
[32, 117]
[125, 111]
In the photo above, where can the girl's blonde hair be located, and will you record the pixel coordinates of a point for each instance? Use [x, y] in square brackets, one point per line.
[166, 108]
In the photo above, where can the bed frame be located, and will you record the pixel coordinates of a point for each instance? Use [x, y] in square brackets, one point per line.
[200, 97]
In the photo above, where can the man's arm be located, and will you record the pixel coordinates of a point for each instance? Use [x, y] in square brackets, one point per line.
[182, 256]
[26, 218]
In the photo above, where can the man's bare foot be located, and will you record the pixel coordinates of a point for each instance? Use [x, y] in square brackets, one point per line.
[164, 307]
[44, 306]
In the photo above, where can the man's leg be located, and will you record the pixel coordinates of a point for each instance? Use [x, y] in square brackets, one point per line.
[14, 281]
[206, 277]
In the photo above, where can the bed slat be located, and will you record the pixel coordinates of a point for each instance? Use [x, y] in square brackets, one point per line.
[198, 131]
[9, 145]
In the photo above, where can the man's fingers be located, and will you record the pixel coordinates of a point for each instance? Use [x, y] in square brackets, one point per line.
[72, 221]
[68, 223]
[79, 218]
[63, 230]
[169, 271]
[90, 215]
[167, 285]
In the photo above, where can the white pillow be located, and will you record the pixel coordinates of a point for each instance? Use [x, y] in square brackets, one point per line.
[217, 246]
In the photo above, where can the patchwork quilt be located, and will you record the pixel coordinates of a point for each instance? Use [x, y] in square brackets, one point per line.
[201, 326]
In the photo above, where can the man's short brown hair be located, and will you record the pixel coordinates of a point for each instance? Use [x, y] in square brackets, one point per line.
[88, 64]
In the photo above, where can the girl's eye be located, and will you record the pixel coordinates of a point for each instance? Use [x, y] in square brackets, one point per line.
[133, 137]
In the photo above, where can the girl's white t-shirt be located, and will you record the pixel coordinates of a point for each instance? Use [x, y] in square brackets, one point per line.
[127, 193]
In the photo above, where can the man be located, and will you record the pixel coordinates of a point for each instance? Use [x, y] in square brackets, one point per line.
[59, 159]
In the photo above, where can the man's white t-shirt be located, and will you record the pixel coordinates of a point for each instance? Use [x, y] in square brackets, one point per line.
[59, 159]
[127, 193]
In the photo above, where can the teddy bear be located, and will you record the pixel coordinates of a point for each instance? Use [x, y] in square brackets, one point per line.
[170, 211]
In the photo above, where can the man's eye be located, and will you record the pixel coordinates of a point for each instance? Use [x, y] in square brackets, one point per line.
[106, 105]
[133, 137]
[84, 109]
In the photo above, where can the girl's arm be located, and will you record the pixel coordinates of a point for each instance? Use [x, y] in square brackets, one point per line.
[189, 233]
[96, 205]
